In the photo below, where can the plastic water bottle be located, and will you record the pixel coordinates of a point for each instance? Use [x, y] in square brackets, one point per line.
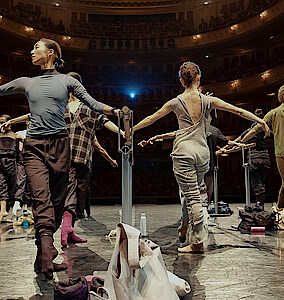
[25, 224]
[143, 221]
[212, 207]
[25, 220]
[120, 216]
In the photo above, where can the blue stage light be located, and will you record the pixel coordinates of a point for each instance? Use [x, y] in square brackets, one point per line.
[132, 95]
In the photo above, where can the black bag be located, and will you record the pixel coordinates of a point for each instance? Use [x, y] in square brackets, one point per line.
[75, 289]
[255, 216]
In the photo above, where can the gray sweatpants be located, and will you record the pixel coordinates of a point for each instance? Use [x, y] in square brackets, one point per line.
[189, 176]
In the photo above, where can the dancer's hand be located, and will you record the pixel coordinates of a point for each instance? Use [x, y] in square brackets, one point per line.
[116, 112]
[152, 140]
[114, 163]
[4, 126]
[265, 129]
[143, 143]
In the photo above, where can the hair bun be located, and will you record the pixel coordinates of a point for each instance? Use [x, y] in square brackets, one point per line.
[59, 63]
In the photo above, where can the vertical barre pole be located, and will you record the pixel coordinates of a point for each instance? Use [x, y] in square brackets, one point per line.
[215, 180]
[127, 162]
[247, 184]
[126, 189]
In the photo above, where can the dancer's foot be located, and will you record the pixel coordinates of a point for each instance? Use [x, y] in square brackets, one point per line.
[66, 228]
[38, 262]
[48, 254]
[182, 231]
[194, 248]
[73, 238]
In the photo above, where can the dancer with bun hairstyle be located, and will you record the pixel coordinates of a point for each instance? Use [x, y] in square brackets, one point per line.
[46, 150]
[190, 153]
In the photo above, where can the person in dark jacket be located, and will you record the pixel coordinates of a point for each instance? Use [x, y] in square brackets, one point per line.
[260, 162]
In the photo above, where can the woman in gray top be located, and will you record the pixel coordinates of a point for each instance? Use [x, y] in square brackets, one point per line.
[190, 153]
[46, 150]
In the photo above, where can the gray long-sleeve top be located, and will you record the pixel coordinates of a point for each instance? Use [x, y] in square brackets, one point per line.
[47, 95]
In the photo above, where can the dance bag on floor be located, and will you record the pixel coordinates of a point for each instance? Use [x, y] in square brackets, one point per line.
[136, 270]
[75, 289]
[255, 216]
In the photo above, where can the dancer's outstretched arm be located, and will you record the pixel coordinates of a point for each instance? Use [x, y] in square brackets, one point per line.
[222, 105]
[20, 119]
[154, 117]
[159, 137]
[257, 128]
[104, 154]
[112, 127]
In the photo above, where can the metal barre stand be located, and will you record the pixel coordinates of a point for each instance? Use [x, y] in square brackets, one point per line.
[215, 191]
[127, 162]
[246, 166]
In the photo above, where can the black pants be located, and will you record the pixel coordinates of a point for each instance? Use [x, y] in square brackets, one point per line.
[47, 166]
[77, 190]
[22, 193]
[257, 180]
[7, 179]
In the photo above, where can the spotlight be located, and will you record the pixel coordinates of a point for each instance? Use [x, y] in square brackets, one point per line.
[207, 56]
[132, 95]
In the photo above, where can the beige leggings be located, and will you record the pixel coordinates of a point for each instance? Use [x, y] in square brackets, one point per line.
[280, 165]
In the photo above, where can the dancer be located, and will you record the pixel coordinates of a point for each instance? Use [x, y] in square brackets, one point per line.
[275, 119]
[46, 152]
[22, 196]
[82, 124]
[190, 153]
[8, 150]
[260, 162]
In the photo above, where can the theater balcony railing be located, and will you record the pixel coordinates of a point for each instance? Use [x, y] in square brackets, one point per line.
[186, 42]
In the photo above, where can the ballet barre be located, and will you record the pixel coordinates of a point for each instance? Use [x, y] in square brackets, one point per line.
[234, 146]
[127, 162]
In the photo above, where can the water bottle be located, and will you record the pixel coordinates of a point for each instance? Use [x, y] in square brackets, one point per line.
[120, 216]
[25, 223]
[143, 224]
[212, 207]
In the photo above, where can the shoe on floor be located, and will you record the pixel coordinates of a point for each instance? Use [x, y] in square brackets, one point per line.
[194, 248]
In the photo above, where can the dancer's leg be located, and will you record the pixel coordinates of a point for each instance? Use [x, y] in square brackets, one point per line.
[256, 181]
[20, 185]
[182, 230]
[83, 182]
[280, 165]
[74, 203]
[39, 157]
[59, 165]
[189, 177]
[209, 181]
[4, 196]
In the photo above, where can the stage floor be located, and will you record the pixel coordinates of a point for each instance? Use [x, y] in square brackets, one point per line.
[234, 265]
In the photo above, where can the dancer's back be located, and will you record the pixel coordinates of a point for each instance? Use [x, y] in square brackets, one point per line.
[193, 114]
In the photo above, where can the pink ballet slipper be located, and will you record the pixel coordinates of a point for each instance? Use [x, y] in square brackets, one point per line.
[66, 228]
[73, 238]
